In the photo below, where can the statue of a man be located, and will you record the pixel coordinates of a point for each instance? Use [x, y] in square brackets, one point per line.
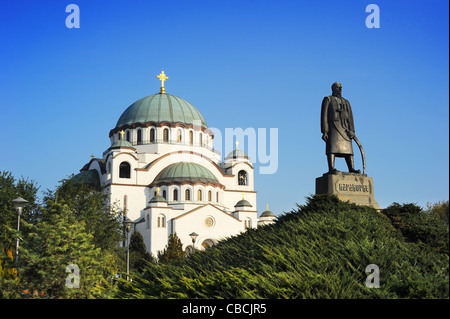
[338, 128]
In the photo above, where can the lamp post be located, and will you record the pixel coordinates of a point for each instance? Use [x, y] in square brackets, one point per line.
[194, 236]
[19, 204]
[128, 223]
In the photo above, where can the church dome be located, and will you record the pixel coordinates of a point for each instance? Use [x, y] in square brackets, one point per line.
[160, 108]
[236, 154]
[185, 172]
[243, 203]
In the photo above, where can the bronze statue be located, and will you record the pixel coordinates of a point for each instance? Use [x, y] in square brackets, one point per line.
[338, 129]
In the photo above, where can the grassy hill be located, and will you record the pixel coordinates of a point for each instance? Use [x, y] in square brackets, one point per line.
[319, 250]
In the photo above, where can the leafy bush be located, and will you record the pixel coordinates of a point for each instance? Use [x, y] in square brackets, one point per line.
[320, 250]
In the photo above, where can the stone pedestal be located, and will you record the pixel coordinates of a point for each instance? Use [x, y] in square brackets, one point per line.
[356, 188]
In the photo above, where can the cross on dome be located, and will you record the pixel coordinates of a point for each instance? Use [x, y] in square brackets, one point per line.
[122, 133]
[162, 77]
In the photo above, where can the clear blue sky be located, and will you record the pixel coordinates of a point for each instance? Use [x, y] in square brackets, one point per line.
[258, 64]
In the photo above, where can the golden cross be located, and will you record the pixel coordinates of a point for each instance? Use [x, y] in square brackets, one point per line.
[237, 145]
[158, 189]
[267, 207]
[122, 133]
[162, 77]
[243, 196]
[92, 156]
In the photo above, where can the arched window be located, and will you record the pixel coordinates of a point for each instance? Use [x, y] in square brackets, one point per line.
[124, 170]
[128, 136]
[191, 137]
[242, 178]
[200, 139]
[247, 223]
[187, 194]
[139, 136]
[179, 136]
[209, 196]
[199, 195]
[161, 221]
[165, 194]
[175, 195]
[152, 135]
[217, 197]
[166, 135]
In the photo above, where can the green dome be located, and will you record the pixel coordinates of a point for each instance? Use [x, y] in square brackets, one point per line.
[159, 108]
[158, 199]
[184, 172]
[121, 143]
[242, 203]
[236, 154]
[267, 213]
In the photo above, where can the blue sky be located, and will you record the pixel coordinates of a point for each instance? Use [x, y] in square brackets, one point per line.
[249, 64]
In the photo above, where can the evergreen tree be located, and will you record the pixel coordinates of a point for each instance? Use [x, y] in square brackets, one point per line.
[172, 251]
[91, 206]
[9, 190]
[53, 244]
[139, 256]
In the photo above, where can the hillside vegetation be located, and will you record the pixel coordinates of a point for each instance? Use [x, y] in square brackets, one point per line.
[319, 250]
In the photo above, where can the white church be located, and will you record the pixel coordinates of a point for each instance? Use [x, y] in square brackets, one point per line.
[162, 171]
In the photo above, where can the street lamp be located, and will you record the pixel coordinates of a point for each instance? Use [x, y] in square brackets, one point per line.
[194, 236]
[128, 223]
[19, 204]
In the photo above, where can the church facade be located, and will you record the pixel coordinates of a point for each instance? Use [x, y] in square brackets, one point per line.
[163, 172]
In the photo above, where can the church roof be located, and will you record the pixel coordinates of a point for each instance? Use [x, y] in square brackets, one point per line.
[158, 198]
[160, 108]
[237, 154]
[185, 172]
[267, 213]
[121, 143]
[242, 203]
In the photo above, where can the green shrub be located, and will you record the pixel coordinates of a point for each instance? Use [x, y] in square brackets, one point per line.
[320, 250]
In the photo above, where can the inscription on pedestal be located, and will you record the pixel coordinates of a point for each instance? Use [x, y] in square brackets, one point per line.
[356, 188]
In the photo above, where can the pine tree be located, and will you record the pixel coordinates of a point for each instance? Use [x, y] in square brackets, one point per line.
[138, 254]
[59, 241]
[173, 250]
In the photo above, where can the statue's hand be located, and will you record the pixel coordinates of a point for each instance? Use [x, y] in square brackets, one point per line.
[325, 137]
[351, 134]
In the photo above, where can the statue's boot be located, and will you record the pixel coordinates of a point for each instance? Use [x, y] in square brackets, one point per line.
[351, 165]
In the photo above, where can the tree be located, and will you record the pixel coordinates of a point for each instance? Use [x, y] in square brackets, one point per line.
[138, 254]
[173, 250]
[59, 242]
[439, 210]
[102, 220]
[9, 190]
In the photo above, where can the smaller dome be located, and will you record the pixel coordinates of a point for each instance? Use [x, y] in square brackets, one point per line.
[268, 213]
[158, 199]
[121, 143]
[242, 203]
[185, 172]
[236, 154]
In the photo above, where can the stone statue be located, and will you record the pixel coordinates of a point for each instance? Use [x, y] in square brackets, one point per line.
[338, 129]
